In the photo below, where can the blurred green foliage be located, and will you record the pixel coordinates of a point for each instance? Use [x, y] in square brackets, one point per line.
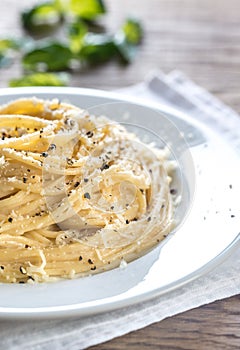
[41, 79]
[85, 41]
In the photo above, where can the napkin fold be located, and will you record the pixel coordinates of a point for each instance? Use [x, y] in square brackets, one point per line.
[175, 90]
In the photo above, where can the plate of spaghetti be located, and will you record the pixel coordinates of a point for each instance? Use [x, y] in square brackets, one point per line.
[98, 199]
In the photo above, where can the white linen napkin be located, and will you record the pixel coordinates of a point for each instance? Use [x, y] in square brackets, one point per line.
[177, 91]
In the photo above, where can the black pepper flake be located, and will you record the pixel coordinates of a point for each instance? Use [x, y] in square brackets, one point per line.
[135, 219]
[44, 154]
[41, 131]
[21, 282]
[90, 261]
[85, 179]
[28, 170]
[230, 186]
[93, 268]
[232, 216]
[149, 218]
[24, 180]
[173, 191]
[127, 222]
[87, 195]
[2, 267]
[33, 177]
[10, 219]
[22, 270]
[31, 278]
[104, 166]
[80, 258]
[112, 207]
[77, 184]
[69, 161]
[141, 190]
[52, 147]
[89, 134]
[27, 246]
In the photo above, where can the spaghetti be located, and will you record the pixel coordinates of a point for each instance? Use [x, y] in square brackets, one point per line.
[78, 193]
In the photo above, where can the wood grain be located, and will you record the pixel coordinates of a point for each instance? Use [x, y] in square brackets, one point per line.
[215, 326]
[201, 38]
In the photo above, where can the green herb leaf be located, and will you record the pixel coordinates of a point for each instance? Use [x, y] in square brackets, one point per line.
[97, 48]
[87, 9]
[53, 56]
[76, 33]
[7, 48]
[133, 31]
[43, 16]
[14, 44]
[6, 44]
[127, 38]
[94, 26]
[5, 60]
[126, 52]
[41, 79]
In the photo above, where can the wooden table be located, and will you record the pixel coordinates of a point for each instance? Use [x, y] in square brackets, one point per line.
[201, 38]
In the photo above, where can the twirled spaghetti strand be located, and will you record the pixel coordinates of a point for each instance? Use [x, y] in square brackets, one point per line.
[78, 193]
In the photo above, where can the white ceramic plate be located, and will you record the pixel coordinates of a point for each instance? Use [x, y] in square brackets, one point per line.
[206, 237]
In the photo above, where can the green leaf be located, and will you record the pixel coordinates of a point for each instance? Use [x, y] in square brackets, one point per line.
[94, 26]
[8, 43]
[133, 31]
[43, 16]
[97, 48]
[52, 56]
[5, 60]
[127, 38]
[76, 33]
[126, 52]
[14, 44]
[87, 9]
[41, 79]
[7, 48]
